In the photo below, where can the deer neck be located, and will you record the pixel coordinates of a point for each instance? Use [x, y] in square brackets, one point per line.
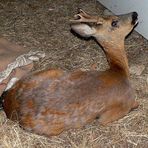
[116, 56]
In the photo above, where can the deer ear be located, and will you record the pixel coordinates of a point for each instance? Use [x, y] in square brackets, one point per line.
[83, 30]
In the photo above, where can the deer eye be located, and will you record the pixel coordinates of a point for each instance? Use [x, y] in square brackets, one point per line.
[114, 23]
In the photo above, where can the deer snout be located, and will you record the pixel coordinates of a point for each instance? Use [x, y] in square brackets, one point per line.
[134, 18]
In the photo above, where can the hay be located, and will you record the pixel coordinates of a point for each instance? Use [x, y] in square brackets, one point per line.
[44, 25]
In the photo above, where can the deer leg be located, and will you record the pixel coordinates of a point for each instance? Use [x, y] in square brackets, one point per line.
[112, 115]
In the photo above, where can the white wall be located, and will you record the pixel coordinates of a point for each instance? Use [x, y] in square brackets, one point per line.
[125, 6]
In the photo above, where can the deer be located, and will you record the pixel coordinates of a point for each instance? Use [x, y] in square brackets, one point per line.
[51, 101]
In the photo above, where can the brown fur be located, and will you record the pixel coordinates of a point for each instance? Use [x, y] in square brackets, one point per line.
[52, 101]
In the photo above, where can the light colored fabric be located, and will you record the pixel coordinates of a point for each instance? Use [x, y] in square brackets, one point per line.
[20, 61]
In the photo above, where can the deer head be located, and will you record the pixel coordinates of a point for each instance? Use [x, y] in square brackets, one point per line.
[107, 28]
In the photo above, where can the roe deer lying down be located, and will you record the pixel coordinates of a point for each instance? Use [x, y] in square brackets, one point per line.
[51, 101]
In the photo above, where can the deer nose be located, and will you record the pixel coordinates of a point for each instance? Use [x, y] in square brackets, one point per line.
[134, 17]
